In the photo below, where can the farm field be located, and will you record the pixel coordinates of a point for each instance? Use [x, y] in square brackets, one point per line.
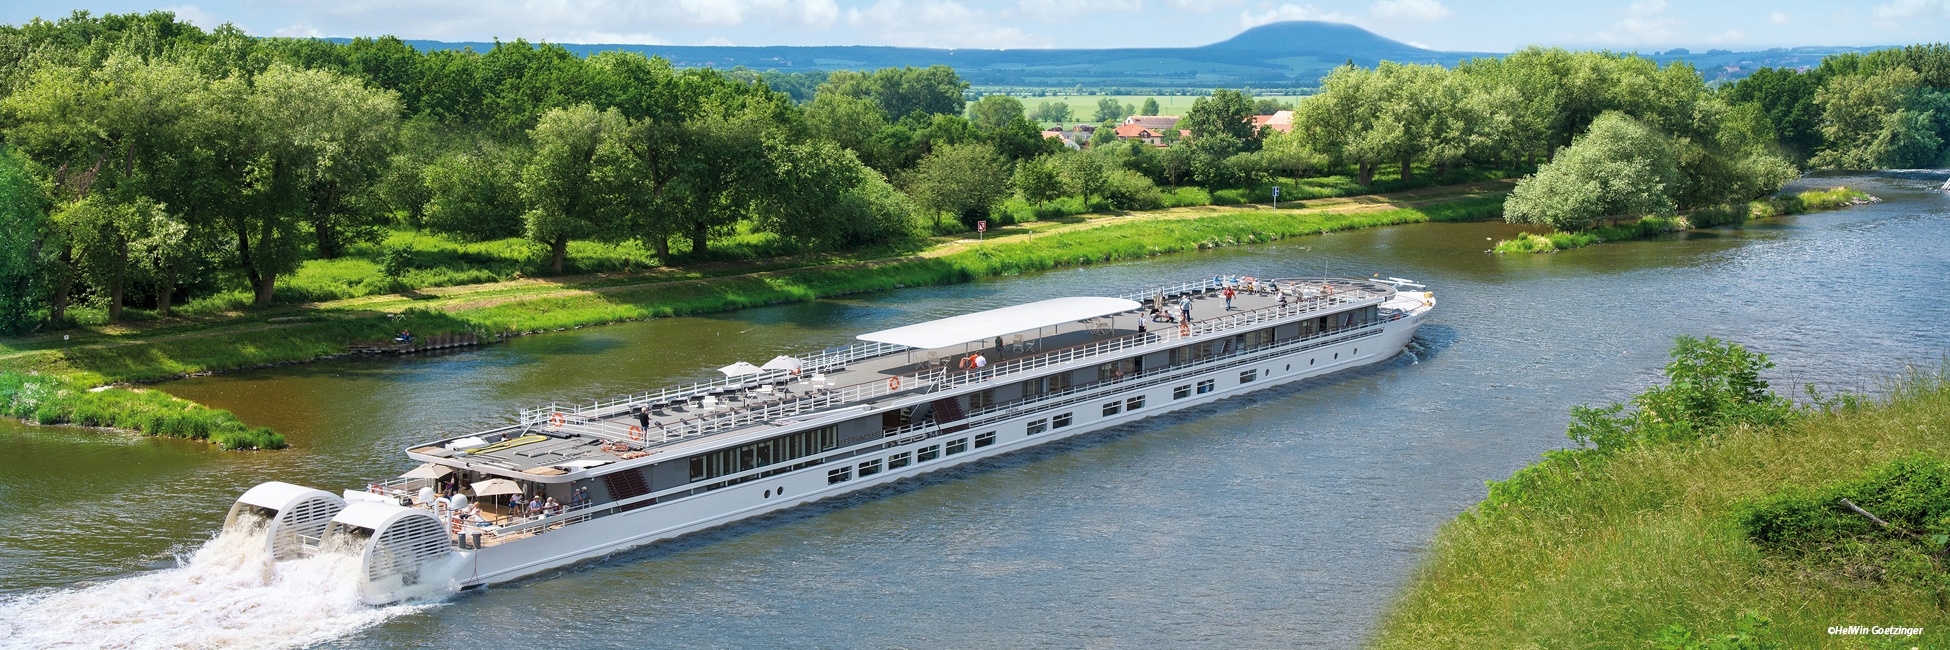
[1083, 107]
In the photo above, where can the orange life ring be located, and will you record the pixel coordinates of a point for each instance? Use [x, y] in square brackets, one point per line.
[636, 433]
[555, 420]
[893, 383]
[795, 372]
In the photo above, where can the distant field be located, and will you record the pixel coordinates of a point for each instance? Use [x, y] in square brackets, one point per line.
[1084, 107]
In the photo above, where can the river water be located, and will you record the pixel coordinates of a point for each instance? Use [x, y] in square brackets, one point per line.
[1281, 519]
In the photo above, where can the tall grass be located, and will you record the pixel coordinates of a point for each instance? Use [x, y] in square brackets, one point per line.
[1613, 554]
[46, 399]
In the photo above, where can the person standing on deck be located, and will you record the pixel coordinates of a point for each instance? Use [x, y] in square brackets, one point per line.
[1228, 294]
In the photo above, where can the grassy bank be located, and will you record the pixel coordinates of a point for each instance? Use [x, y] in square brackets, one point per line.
[1653, 226]
[213, 349]
[1646, 539]
[45, 399]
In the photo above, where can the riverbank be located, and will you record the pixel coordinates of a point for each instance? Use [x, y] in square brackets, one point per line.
[531, 306]
[46, 399]
[1653, 226]
[1649, 545]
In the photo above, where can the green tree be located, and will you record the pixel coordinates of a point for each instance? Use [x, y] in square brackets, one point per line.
[1058, 112]
[807, 182]
[1227, 112]
[1620, 167]
[1109, 110]
[993, 112]
[1038, 180]
[963, 180]
[1083, 174]
[900, 92]
[1881, 121]
[475, 194]
[24, 232]
[559, 184]
[849, 121]
[1150, 106]
[1787, 98]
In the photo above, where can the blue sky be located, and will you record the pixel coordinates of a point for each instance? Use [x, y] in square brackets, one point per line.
[1486, 26]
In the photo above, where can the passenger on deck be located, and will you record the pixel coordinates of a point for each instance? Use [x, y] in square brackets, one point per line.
[535, 505]
[552, 507]
[1228, 295]
[470, 527]
[578, 497]
[643, 416]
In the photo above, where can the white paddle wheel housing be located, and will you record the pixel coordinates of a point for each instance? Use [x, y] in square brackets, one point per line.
[404, 551]
[295, 516]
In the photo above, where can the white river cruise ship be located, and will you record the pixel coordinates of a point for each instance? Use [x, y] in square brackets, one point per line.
[624, 472]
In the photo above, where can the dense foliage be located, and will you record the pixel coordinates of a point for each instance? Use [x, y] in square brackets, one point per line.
[1882, 109]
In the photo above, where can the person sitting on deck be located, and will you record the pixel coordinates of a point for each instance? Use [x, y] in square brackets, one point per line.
[552, 507]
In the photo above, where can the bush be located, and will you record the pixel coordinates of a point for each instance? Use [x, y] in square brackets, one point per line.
[1129, 190]
[1814, 529]
[50, 400]
[1711, 386]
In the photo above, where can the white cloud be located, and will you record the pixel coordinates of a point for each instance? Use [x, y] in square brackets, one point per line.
[1645, 22]
[1421, 11]
[1054, 10]
[1729, 36]
[300, 30]
[937, 23]
[562, 21]
[1777, 18]
[719, 41]
[1202, 6]
[1291, 12]
[1901, 9]
[194, 16]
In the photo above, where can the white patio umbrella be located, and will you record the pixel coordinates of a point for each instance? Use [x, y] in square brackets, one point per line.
[495, 486]
[740, 369]
[782, 362]
[428, 470]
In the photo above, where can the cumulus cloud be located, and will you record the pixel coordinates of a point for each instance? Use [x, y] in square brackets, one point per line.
[1421, 11]
[1645, 22]
[1051, 10]
[1729, 36]
[1777, 18]
[937, 23]
[194, 16]
[1202, 6]
[1291, 12]
[1901, 9]
[562, 21]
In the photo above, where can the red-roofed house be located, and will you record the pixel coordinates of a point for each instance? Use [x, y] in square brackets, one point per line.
[1281, 121]
[1140, 133]
[1153, 122]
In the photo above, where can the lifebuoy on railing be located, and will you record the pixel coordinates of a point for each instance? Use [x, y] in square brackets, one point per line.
[893, 383]
[636, 433]
[795, 372]
[555, 419]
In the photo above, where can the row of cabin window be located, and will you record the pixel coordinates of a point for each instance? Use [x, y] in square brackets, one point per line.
[764, 453]
[903, 459]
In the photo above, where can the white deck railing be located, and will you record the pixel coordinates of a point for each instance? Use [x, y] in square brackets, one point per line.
[810, 406]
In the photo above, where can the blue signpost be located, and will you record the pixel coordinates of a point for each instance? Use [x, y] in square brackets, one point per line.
[1276, 196]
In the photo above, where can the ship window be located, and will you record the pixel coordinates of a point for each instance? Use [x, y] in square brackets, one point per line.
[981, 398]
[1038, 426]
[984, 440]
[1207, 386]
[1060, 421]
[1181, 392]
[1289, 367]
[1113, 408]
[1134, 403]
[1310, 362]
[899, 460]
[1357, 350]
[760, 454]
[1032, 387]
[838, 475]
[1337, 355]
[870, 468]
[927, 453]
[1248, 376]
[957, 446]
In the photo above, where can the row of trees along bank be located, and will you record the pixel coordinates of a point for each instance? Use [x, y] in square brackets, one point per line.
[152, 163]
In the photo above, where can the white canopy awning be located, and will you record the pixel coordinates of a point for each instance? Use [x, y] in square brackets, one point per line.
[984, 325]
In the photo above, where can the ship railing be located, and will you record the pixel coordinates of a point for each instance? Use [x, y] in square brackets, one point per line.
[517, 527]
[785, 412]
[814, 363]
[916, 432]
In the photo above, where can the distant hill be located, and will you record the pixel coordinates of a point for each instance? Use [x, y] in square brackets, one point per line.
[1280, 55]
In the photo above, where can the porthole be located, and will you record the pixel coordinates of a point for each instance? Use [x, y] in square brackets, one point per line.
[768, 494]
[1289, 367]
[1337, 355]
[1357, 350]
[1310, 362]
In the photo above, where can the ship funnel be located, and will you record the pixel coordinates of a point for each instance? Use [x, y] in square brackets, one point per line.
[293, 516]
[404, 552]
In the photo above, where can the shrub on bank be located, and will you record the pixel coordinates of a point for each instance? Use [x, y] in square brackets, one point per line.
[49, 400]
[1708, 217]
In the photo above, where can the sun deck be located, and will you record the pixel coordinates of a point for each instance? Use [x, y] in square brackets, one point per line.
[559, 440]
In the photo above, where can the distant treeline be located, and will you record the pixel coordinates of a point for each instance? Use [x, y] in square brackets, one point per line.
[148, 161]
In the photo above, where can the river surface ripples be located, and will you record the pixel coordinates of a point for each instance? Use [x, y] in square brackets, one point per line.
[1286, 518]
